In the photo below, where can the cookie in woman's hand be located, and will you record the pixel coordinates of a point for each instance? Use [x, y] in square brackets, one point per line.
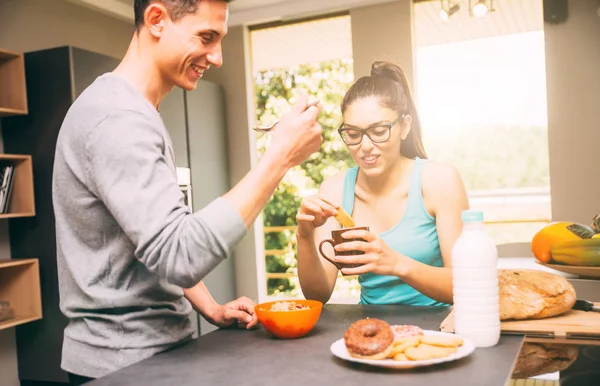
[344, 218]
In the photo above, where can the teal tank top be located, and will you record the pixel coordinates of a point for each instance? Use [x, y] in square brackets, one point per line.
[415, 236]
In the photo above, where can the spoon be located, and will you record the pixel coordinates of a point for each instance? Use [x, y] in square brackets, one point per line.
[264, 129]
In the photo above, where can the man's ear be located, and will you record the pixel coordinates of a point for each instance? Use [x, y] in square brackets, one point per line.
[405, 124]
[155, 17]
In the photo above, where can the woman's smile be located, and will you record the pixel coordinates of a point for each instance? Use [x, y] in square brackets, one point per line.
[370, 159]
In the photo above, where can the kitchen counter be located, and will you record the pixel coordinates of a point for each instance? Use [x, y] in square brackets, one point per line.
[237, 357]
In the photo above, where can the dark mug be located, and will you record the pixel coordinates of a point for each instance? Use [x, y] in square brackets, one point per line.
[336, 238]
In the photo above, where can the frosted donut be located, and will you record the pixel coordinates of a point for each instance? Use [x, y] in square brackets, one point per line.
[369, 339]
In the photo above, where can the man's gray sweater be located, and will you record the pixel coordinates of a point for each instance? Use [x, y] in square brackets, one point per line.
[126, 242]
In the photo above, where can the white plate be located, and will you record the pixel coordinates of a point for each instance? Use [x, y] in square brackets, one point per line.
[338, 348]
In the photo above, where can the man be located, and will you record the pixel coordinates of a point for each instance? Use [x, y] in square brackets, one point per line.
[127, 244]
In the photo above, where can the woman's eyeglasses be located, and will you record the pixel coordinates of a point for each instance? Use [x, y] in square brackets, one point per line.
[377, 133]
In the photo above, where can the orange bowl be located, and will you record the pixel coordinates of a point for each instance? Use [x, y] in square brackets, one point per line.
[289, 324]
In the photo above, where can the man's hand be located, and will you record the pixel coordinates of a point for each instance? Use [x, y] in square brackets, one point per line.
[239, 311]
[293, 140]
[298, 134]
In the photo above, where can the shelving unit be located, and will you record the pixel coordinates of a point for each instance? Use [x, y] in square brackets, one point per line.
[19, 278]
[22, 202]
[20, 286]
[13, 92]
[49, 98]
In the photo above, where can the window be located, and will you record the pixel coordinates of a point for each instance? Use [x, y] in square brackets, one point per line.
[481, 87]
[321, 63]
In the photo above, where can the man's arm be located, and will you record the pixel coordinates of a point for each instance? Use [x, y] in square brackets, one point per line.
[253, 192]
[295, 138]
[127, 170]
[201, 300]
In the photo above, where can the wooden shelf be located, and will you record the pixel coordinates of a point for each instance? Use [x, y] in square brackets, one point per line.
[6, 112]
[13, 90]
[22, 202]
[20, 286]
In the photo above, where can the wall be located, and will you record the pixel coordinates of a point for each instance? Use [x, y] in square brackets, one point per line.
[573, 92]
[28, 25]
[383, 32]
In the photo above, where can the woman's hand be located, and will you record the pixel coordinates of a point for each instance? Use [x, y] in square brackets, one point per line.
[378, 257]
[314, 211]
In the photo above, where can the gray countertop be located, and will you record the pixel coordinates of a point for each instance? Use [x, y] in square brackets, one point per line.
[237, 357]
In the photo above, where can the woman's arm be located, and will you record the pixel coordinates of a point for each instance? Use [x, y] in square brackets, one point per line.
[317, 276]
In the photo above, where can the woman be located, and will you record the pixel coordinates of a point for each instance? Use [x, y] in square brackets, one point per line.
[411, 205]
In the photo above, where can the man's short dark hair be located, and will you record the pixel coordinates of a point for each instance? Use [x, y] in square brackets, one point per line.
[177, 8]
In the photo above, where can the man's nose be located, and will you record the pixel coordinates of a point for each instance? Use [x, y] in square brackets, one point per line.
[215, 57]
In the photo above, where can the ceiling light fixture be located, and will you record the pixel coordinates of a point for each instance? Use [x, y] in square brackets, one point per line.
[481, 7]
[449, 10]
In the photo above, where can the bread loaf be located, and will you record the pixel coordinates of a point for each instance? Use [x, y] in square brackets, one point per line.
[530, 294]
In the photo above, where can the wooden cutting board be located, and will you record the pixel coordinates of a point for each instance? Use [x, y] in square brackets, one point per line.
[573, 324]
